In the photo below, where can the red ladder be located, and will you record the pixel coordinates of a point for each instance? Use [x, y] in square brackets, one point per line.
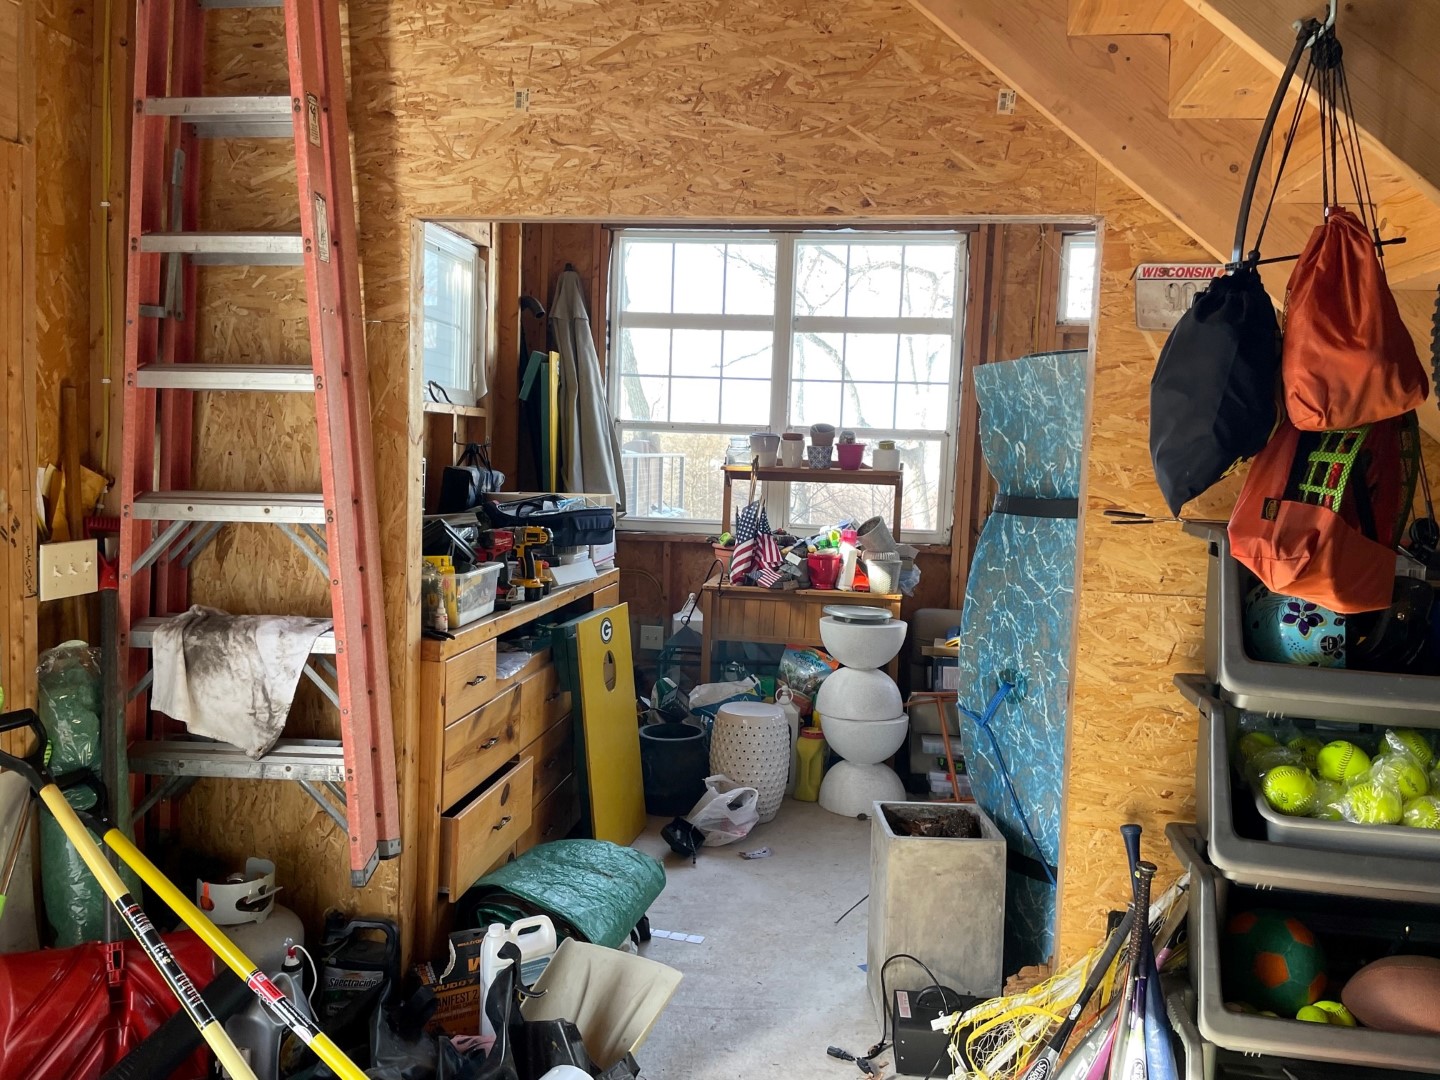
[164, 524]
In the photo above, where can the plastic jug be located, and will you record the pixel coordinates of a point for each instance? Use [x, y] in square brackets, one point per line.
[266, 1043]
[535, 937]
[811, 752]
[785, 698]
[690, 608]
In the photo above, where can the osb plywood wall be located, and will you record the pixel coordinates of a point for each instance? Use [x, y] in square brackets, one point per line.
[722, 110]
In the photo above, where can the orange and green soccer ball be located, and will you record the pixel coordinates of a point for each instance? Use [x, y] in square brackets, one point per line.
[1272, 961]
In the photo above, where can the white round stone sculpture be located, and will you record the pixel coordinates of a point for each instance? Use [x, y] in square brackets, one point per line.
[862, 714]
[751, 745]
[851, 790]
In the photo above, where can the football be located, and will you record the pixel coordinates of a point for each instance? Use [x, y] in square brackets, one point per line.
[1397, 994]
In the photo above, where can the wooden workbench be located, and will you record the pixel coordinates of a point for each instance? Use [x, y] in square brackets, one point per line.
[497, 769]
[775, 617]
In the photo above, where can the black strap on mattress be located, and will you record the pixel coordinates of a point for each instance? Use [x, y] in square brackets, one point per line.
[1024, 506]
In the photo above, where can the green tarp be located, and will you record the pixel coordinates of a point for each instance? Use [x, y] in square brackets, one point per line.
[594, 890]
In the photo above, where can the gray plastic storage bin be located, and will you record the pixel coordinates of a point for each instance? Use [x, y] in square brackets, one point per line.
[1235, 843]
[1333, 920]
[1320, 693]
[1347, 837]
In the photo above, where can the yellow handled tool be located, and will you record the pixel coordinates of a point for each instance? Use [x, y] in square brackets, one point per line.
[36, 771]
[260, 984]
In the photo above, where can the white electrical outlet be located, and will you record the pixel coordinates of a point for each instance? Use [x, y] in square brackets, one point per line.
[652, 636]
[68, 569]
[1005, 103]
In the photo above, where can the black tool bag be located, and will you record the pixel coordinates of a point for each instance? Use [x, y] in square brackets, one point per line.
[465, 485]
[577, 527]
[1213, 396]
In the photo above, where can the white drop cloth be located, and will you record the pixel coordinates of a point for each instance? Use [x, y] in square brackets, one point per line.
[232, 677]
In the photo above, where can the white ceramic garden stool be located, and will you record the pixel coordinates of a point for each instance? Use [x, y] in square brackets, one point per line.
[751, 745]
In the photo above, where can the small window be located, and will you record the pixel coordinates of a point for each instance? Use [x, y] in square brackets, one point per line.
[1077, 277]
[454, 284]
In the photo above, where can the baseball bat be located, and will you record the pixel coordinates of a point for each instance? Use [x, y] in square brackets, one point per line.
[1133, 1064]
[1091, 1050]
[1045, 1064]
[1159, 1052]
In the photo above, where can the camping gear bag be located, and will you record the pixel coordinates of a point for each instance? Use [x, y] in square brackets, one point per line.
[569, 526]
[1213, 395]
[463, 485]
[1348, 359]
[1321, 512]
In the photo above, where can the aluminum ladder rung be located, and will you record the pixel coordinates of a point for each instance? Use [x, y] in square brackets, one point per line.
[267, 117]
[142, 634]
[289, 759]
[272, 378]
[249, 507]
[233, 248]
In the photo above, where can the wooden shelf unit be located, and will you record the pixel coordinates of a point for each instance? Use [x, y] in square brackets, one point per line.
[803, 475]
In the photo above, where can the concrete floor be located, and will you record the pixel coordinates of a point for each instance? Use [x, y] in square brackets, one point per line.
[775, 981]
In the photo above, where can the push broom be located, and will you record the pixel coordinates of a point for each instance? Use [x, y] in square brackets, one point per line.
[36, 771]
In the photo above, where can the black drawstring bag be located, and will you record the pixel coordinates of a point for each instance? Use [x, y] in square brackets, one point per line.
[464, 485]
[1212, 399]
[1213, 395]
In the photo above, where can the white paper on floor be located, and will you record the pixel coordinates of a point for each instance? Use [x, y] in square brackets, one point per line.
[677, 935]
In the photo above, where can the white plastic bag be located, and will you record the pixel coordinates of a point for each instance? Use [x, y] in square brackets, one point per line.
[726, 812]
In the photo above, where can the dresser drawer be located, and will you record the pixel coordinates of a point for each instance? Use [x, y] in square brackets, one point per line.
[542, 703]
[554, 757]
[609, 596]
[554, 817]
[474, 836]
[469, 681]
[474, 747]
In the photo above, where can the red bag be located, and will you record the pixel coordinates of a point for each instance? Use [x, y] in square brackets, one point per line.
[1320, 513]
[1347, 359]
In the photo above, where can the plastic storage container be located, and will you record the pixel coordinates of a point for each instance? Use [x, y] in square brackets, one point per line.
[1320, 693]
[1347, 837]
[1351, 928]
[1239, 848]
[475, 593]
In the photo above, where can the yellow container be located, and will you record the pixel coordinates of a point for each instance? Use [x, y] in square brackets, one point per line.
[811, 752]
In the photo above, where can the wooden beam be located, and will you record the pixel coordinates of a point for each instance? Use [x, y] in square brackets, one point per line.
[1113, 99]
[1389, 59]
[1301, 180]
[1213, 77]
[1125, 16]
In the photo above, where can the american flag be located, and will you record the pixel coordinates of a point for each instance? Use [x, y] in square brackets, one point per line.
[754, 546]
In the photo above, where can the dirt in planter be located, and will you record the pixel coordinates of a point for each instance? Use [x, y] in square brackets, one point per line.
[947, 823]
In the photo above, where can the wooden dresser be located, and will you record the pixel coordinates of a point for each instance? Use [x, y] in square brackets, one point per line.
[496, 755]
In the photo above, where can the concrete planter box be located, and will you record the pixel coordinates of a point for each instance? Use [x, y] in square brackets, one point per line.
[941, 898]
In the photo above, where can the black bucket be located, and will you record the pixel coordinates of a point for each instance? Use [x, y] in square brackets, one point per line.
[674, 762]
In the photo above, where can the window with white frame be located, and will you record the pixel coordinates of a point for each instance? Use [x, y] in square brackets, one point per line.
[720, 334]
[454, 299]
[1077, 277]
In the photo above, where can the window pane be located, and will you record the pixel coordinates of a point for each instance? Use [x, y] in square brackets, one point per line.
[671, 474]
[750, 279]
[814, 403]
[820, 278]
[695, 352]
[645, 352]
[747, 354]
[699, 277]
[643, 398]
[870, 356]
[745, 401]
[815, 506]
[925, 357]
[922, 405]
[695, 401]
[874, 281]
[1077, 274]
[645, 275]
[929, 281]
[869, 405]
[817, 356]
[448, 323]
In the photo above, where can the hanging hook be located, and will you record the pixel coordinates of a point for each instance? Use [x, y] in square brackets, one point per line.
[1329, 22]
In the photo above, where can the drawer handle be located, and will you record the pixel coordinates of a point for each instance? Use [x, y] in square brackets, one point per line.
[494, 740]
[555, 696]
[550, 763]
[476, 681]
[501, 824]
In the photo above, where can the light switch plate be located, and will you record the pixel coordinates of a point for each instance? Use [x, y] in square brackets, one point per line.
[68, 569]
[652, 636]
